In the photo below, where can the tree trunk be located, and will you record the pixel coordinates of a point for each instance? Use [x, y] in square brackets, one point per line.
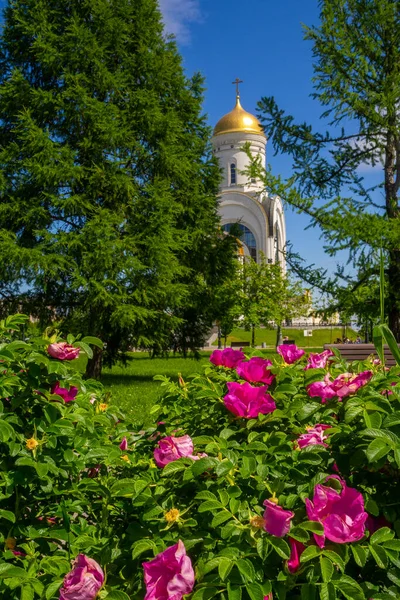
[278, 335]
[253, 336]
[393, 293]
[94, 365]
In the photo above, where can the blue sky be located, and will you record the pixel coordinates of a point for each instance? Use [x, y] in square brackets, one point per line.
[261, 42]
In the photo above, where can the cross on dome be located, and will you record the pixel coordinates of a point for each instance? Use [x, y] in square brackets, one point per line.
[237, 82]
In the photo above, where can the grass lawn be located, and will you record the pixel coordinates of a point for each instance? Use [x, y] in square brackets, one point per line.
[133, 387]
[268, 336]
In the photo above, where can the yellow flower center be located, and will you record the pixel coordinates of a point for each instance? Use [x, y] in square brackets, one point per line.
[103, 406]
[126, 458]
[257, 522]
[274, 499]
[10, 543]
[172, 515]
[32, 444]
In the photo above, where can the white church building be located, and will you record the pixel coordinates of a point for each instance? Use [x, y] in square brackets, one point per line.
[244, 201]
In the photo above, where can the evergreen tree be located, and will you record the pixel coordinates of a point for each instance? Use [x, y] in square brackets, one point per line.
[356, 52]
[107, 184]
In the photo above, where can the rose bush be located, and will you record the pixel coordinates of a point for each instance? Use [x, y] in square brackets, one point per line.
[237, 502]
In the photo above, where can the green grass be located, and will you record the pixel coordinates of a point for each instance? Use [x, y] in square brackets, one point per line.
[133, 387]
[268, 336]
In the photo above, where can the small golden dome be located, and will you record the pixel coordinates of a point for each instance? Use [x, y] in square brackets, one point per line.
[238, 120]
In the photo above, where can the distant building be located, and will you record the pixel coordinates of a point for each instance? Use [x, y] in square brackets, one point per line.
[243, 201]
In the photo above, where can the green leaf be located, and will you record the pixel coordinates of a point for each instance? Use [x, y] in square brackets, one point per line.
[391, 342]
[255, 591]
[308, 410]
[225, 567]
[6, 431]
[377, 337]
[327, 592]
[349, 588]
[209, 505]
[327, 568]
[206, 495]
[381, 535]
[94, 341]
[281, 547]
[204, 464]
[8, 570]
[246, 569]
[174, 467]
[234, 592]
[335, 558]
[143, 546]
[124, 488]
[204, 593]
[376, 450]
[379, 555]
[52, 589]
[392, 545]
[27, 592]
[8, 515]
[310, 553]
[116, 595]
[220, 518]
[360, 555]
[312, 526]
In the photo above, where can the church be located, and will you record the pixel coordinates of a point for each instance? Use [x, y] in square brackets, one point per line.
[243, 200]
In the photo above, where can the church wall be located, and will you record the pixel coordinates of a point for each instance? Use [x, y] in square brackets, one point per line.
[238, 207]
[228, 149]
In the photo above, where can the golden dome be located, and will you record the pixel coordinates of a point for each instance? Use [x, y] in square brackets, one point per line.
[238, 120]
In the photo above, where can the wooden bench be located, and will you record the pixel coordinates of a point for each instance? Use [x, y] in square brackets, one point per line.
[352, 352]
[240, 344]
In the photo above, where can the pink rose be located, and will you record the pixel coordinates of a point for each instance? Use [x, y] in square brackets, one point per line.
[172, 448]
[84, 581]
[63, 351]
[277, 519]
[227, 358]
[314, 436]
[124, 444]
[66, 395]
[269, 596]
[344, 385]
[255, 370]
[290, 353]
[341, 513]
[296, 550]
[318, 361]
[170, 575]
[244, 400]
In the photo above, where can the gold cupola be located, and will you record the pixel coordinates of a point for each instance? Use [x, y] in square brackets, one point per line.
[238, 120]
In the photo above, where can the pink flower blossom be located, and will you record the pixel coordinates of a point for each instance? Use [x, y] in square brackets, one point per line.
[296, 550]
[269, 596]
[318, 361]
[124, 444]
[314, 436]
[244, 400]
[63, 351]
[255, 370]
[66, 395]
[290, 353]
[344, 385]
[277, 519]
[227, 358]
[84, 581]
[170, 575]
[341, 513]
[172, 448]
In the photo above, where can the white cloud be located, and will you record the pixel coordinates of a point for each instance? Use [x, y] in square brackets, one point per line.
[178, 14]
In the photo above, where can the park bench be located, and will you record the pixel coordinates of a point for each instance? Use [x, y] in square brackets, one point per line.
[352, 352]
[240, 344]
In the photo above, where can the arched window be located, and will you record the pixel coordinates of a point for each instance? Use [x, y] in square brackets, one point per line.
[247, 238]
[233, 174]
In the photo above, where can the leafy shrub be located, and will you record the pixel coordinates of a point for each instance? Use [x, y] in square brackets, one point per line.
[77, 491]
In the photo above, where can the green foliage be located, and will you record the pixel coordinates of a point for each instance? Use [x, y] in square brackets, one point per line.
[77, 492]
[268, 295]
[356, 50]
[108, 218]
